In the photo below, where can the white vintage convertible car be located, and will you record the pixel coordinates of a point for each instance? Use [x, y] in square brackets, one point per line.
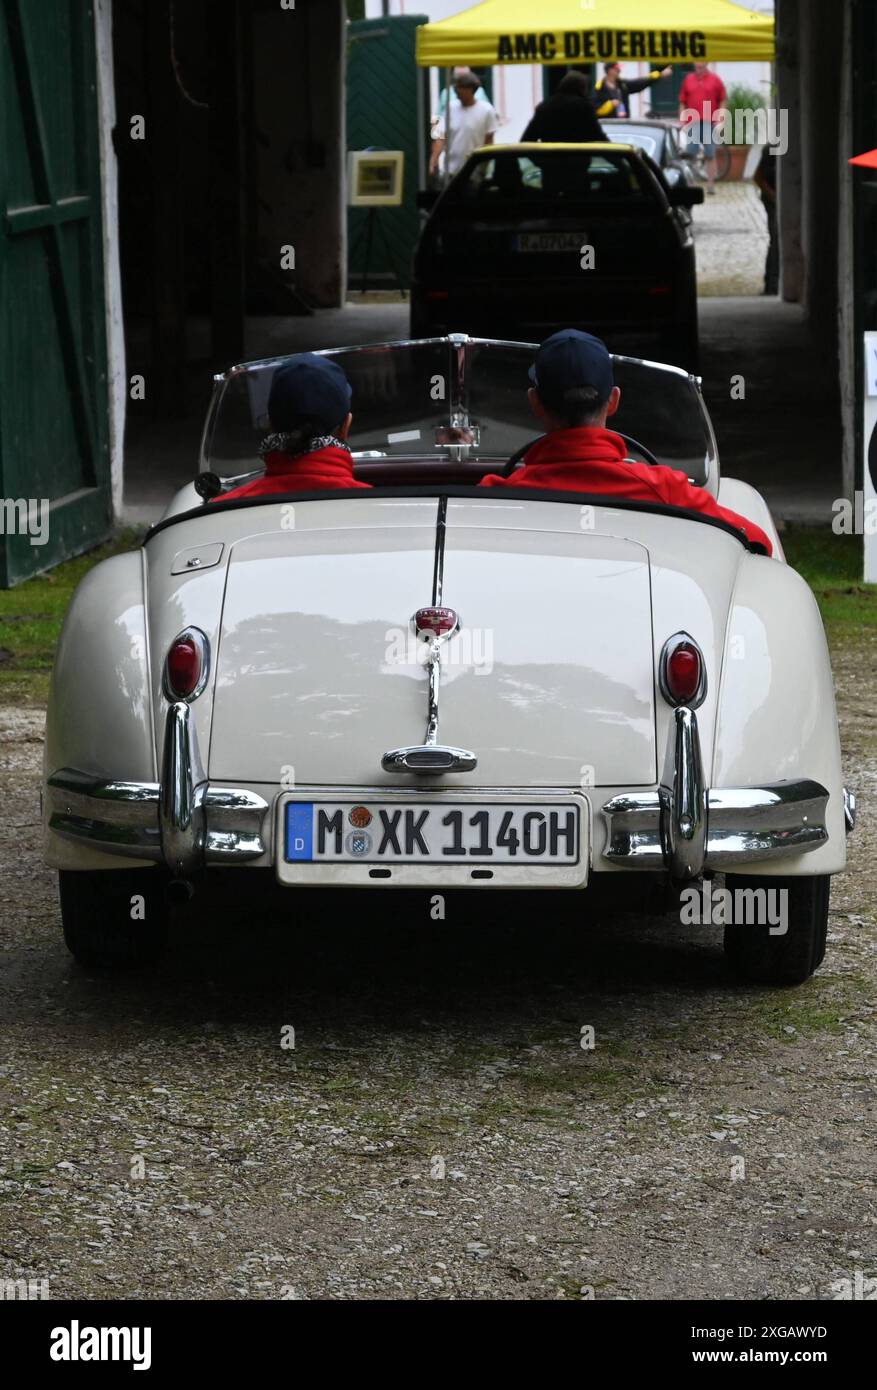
[435, 686]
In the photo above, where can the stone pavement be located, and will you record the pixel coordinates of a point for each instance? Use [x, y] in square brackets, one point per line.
[730, 230]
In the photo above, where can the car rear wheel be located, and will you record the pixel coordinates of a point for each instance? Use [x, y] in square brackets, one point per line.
[116, 918]
[786, 957]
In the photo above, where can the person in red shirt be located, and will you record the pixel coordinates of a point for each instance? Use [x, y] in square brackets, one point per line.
[573, 394]
[702, 98]
[309, 414]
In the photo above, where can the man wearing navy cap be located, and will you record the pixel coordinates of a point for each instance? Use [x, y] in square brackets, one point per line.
[573, 394]
[309, 414]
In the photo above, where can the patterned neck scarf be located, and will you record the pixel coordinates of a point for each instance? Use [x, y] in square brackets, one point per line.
[281, 443]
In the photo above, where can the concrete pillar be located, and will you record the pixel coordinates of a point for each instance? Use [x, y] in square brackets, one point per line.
[788, 40]
[848, 358]
[809, 55]
[821, 63]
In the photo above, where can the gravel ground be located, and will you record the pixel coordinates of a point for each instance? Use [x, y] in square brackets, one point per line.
[437, 1131]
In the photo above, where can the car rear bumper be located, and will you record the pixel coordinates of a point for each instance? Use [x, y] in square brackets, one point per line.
[680, 827]
[486, 308]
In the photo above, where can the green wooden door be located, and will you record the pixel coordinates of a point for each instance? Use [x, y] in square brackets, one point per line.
[54, 458]
[387, 109]
[664, 96]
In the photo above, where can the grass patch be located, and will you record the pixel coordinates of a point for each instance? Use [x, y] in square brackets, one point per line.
[832, 566]
[823, 1006]
[30, 622]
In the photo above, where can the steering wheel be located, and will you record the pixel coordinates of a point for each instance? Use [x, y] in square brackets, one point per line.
[632, 444]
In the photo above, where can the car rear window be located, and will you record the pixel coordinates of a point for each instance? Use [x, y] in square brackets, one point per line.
[572, 175]
[649, 141]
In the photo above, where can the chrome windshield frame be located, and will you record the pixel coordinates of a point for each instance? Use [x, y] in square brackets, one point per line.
[458, 393]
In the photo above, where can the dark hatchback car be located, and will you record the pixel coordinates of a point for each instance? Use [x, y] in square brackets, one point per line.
[530, 238]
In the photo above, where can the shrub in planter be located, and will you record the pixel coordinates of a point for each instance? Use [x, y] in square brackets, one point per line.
[741, 125]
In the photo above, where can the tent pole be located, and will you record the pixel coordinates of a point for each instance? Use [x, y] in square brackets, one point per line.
[449, 73]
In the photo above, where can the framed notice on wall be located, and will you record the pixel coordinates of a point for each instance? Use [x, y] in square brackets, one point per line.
[375, 178]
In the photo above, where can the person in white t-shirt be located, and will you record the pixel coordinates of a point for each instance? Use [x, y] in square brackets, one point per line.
[473, 124]
[480, 94]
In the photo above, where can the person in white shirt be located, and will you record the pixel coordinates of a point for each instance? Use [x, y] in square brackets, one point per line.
[473, 124]
[480, 94]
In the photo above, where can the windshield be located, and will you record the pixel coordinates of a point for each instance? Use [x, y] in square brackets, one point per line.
[456, 400]
[575, 174]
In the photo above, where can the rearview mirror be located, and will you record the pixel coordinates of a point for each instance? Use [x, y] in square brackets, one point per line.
[682, 196]
[427, 199]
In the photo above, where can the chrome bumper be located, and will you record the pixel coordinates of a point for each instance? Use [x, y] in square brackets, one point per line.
[685, 828]
[181, 822]
[681, 828]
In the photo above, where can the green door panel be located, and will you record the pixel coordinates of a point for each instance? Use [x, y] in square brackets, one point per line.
[388, 109]
[53, 357]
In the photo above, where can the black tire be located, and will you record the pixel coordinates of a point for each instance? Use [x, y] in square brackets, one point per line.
[96, 910]
[790, 959]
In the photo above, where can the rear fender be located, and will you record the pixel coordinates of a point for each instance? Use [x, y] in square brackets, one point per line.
[776, 715]
[99, 717]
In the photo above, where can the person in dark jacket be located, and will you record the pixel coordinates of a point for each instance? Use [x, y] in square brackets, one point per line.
[573, 394]
[310, 419]
[765, 177]
[566, 117]
[612, 93]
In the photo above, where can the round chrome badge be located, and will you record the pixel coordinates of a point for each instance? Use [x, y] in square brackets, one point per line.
[358, 843]
[360, 816]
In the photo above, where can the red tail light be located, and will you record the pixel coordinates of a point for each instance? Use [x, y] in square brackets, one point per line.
[683, 674]
[185, 670]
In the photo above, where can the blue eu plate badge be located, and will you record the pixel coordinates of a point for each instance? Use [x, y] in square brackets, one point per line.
[300, 830]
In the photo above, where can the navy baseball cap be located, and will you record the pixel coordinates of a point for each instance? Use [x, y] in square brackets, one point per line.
[568, 359]
[308, 387]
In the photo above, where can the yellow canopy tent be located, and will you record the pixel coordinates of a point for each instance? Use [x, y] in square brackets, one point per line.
[568, 31]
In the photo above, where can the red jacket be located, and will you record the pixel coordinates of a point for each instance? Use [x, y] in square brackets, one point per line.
[321, 469]
[590, 459]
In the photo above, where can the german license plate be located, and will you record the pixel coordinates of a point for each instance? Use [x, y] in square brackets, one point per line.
[549, 241]
[443, 839]
[346, 832]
